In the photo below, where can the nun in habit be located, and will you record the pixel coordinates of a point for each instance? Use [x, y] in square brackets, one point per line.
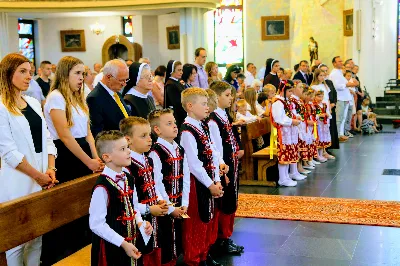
[271, 73]
[173, 90]
[136, 92]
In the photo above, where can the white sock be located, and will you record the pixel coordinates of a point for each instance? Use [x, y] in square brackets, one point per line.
[293, 169]
[282, 168]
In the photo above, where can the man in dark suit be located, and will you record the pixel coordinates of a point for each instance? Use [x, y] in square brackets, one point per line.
[302, 74]
[106, 105]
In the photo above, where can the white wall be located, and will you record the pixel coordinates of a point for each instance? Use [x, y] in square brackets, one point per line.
[150, 40]
[50, 42]
[377, 57]
[165, 21]
[13, 44]
[257, 51]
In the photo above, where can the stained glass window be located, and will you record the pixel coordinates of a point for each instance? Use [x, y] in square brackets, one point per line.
[127, 27]
[398, 40]
[228, 25]
[26, 39]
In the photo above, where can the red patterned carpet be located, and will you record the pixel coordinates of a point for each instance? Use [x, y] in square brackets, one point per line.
[318, 209]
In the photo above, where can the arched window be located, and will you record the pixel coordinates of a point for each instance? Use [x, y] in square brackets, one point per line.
[228, 28]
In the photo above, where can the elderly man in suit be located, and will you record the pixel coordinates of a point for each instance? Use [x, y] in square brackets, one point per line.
[302, 74]
[106, 105]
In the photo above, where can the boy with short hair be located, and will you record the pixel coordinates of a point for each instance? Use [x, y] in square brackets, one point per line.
[151, 204]
[114, 205]
[227, 144]
[205, 182]
[172, 178]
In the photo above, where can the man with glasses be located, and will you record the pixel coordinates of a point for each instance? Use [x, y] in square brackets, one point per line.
[106, 106]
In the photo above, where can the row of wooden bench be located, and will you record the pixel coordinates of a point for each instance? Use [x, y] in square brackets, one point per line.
[28, 217]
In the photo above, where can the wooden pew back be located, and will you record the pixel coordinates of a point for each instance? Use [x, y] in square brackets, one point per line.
[250, 132]
[28, 217]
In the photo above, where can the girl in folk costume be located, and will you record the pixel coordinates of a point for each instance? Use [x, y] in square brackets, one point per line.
[312, 116]
[309, 135]
[300, 112]
[284, 121]
[322, 114]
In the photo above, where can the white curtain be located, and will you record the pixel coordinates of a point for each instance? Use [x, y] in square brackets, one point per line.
[3, 34]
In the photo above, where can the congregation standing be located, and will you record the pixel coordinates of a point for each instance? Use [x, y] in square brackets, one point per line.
[167, 147]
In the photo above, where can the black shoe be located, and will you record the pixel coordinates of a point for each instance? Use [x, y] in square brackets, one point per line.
[229, 249]
[239, 248]
[211, 262]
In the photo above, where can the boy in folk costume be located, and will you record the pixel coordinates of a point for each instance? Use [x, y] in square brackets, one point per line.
[227, 144]
[151, 203]
[205, 182]
[284, 121]
[172, 177]
[113, 212]
[323, 116]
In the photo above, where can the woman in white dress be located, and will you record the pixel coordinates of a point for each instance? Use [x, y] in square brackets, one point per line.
[27, 151]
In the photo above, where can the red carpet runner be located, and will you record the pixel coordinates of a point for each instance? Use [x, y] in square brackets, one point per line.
[318, 209]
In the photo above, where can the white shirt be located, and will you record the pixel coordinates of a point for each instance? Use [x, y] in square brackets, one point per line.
[339, 81]
[141, 159]
[249, 78]
[136, 93]
[278, 113]
[189, 143]
[86, 90]
[259, 109]
[324, 88]
[261, 73]
[56, 101]
[215, 135]
[158, 176]
[98, 211]
[35, 91]
[97, 79]
[107, 89]
[248, 118]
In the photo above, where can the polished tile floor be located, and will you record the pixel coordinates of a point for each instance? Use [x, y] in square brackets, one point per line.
[357, 173]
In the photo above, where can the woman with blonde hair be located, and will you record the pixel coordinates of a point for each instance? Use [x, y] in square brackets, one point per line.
[212, 72]
[67, 117]
[27, 151]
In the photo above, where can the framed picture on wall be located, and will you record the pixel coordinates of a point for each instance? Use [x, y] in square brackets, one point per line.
[173, 40]
[73, 41]
[275, 28]
[348, 22]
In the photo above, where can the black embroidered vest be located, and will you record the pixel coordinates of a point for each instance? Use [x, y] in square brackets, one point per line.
[205, 200]
[121, 218]
[228, 203]
[172, 171]
[146, 192]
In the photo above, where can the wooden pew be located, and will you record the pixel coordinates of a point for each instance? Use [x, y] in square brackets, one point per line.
[28, 217]
[250, 132]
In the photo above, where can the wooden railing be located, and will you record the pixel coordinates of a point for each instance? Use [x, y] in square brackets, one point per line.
[249, 133]
[26, 218]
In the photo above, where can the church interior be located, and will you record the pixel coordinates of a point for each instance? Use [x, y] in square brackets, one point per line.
[344, 213]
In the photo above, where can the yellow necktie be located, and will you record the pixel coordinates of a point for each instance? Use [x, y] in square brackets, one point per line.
[120, 105]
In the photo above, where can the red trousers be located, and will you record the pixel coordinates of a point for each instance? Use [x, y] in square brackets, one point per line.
[225, 225]
[196, 234]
